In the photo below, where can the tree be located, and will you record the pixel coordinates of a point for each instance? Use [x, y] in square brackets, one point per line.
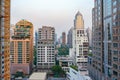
[57, 70]
[19, 74]
[74, 67]
[63, 50]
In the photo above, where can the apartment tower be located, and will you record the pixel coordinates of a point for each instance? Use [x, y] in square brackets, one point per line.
[97, 67]
[4, 39]
[80, 42]
[21, 50]
[116, 39]
[105, 40]
[46, 48]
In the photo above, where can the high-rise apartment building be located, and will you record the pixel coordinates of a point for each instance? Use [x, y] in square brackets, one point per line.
[116, 39]
[63, 38]
[4, 39]
[105, 59]
[21, 49]
[46, 48]
[69, 38]
[107, 39]
[97, 67]
[80, 42]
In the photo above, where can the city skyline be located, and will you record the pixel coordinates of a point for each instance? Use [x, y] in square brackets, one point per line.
[60, 39]
[58, 14]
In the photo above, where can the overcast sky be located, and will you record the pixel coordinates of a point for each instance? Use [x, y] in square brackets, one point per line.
[56, 13]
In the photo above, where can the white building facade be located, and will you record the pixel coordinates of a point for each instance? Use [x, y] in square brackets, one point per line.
[45, 48]
[76, 75]
[80, 41]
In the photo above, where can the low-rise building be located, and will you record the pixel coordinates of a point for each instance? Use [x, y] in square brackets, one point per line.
[38, 76]
[65, 62]
[76, 75]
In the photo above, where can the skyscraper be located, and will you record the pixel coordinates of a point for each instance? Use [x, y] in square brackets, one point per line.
[4, 39]
[21, 49]
[45, 48]
[63, 38]
[106, 40]
[97, 70]
[80, 42]
[69, 38]
[115, 37]
[89, 35]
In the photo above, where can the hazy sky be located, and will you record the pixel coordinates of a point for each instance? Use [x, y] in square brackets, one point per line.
[56, 13]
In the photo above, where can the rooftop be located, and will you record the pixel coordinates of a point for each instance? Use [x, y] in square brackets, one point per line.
[38, 76]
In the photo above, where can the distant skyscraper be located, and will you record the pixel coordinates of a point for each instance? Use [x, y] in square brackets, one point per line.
[12, 30]
[69, 38]
[46, 48]
[21, 49]
[80, 42]
[89, 35]
[4, 39]
[36, 38]
[63, 38]
[56, 39]
[60, 40]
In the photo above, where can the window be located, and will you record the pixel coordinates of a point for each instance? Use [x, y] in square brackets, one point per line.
[114, 10]
[109, 35]
[114, 3]
[115, 59]
[115, 73]
[115, 52]
[115, 66]
[115, 45]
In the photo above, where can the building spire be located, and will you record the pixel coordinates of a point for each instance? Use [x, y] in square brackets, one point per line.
[78, 13]
[79, 22]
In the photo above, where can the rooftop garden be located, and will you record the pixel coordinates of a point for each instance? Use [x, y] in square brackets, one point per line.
[74, 67]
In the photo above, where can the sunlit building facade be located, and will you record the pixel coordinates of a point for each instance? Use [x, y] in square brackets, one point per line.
[4, 39]
[21, 49]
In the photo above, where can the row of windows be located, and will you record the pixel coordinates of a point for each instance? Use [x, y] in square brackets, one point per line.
[47, 52]
[47, 61]
[44, 54]
[47, 49]
[116, 45]
[43, 47]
